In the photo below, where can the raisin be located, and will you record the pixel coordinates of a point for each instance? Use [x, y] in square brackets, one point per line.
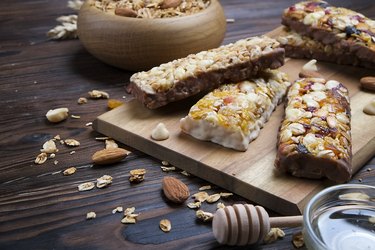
[349, 30]
[302, 149]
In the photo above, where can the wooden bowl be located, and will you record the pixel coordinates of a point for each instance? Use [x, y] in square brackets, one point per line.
[140, 44]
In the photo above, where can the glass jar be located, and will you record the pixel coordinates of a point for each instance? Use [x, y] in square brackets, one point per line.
[341, 217]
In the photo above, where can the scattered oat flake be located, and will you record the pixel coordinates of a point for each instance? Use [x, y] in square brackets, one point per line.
[117, 210]
[128, 220]
[72, 152]
[69, 171]
[185, 173]
[82, 100]
[204, 216]
[297, 240]
[62, 142]
[97, 94]
[273, 235]
[207, 187]
[165, 163]
[225, 195]
[88, 124]
[194, 205]
[103, 181]
[57, 137]
[56, 162]
[354, 196]
[49, 147]
[72, 142]
[165, 225]
[103, 138]
[51, 156]
[75, 116]
[200, 196]
[129, 210]
[167, 169]
[109, 143]
[230, 20]
[213, 198]
[220, 205]
[90, 215]
[86, 186]
[75, 4]
[113, 103]
[41, 158]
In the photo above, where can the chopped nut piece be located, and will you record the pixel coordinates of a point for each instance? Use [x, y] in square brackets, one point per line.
[90, 215]
[204, 216]
[75, 116]
[49, 147]
[103, 181]
[96, 94]
[297, 240]
[165, 225]
[368, 82]
[86, 186]
[175, 190]
[200, 196]
[110, 144]
[220, 205]
[160, 132]
[113, 103]
[57, 115]
[167, 169]
[213, 198]
[137, 175]
[51, 156]
[69, 171]
[225, 195]
[129, 211]
[109, 156]
[41, 158]
[354, 196]
[82, 100]
[273, 235]
[72, 142]
[193, 205]
[310, 65]
[117, 210]
[207, 187]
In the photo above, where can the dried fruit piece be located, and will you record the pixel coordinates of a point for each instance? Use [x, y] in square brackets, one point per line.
[213, 198]
[41, 158]
[57, 115]
[49, 147]
[137, 175]
[113, 103]
[160, 132]
[165, 225]
[297, 240]
[370, 108]
[97, 94]
[110, 144]
[368, 82]
[273, 235]
[90, 215]
[175, 190]
[200, 196]
[72, 142]
[204, 216]
[109, 156]
[69, 171]
[103, 181]
[117, 210]
[86, 186]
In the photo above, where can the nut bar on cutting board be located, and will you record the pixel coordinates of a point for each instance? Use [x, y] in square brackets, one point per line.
[329, 33]
[315, 139]
[233, 114]
[205, 71]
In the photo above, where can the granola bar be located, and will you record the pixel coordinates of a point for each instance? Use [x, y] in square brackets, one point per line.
[348, 31]
[205, 71]
[298, 46]
[314, 139]
[233, 114]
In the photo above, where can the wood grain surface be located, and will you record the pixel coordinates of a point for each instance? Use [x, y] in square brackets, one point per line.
[42, 209]
[250, 174]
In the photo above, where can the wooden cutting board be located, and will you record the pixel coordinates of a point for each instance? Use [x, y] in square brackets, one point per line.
[250, 174]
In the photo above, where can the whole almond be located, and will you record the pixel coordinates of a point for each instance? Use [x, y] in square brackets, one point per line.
[125, 12]
[175, 190]
[310, 74]
[368, 82]
[109, 155]
[170, 4]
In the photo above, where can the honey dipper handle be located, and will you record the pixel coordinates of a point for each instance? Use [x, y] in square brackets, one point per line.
[286, 221]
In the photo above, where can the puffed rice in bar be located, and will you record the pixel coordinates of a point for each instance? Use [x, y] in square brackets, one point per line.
[233, 114]
[314, 138]
[298, 46]
[205, 71]
[347, 30]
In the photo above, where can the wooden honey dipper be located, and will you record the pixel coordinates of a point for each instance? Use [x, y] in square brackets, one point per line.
[244, 224]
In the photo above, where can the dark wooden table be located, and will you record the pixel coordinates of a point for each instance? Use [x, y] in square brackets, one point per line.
[42, 209]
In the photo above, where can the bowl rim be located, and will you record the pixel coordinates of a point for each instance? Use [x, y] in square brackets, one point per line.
[213, 4]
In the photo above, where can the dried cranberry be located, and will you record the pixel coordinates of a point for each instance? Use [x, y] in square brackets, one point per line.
[358, 18]
[349, 30]
[292, 8]
[302, 149]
